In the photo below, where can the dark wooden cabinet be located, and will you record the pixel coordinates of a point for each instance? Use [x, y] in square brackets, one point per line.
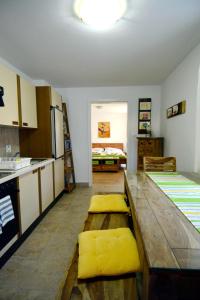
[148, 147]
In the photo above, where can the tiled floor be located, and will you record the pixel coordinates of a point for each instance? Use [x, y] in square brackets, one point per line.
[38, 267]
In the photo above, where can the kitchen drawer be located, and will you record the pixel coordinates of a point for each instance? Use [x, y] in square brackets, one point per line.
[114, 167]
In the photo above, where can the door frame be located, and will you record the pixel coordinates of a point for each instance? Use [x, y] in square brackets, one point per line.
[90, 179]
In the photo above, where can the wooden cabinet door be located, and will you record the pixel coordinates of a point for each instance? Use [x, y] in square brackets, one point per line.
[28, 199]
[56, 99]
[9, 112]
[59, 176]
[28, 104]
[46, 184]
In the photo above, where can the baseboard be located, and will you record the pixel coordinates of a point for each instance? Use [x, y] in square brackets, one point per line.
[82, 184]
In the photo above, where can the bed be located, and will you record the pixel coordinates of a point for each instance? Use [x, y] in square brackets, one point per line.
[107, 157]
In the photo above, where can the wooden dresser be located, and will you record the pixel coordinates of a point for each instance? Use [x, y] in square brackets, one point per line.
[148, 146]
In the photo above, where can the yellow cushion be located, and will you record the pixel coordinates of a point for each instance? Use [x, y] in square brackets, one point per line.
[108, 203]
[107, 252]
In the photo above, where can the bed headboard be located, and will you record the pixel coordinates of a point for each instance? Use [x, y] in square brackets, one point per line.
[112, 145]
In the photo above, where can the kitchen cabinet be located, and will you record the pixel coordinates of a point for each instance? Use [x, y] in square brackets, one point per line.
[28, 199]
[9, 112]
[47, 140]
[56, 99]
[59, 176]
[27, 103]
[46, 186]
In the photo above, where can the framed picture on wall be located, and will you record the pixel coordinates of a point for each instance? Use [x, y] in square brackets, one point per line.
[144, 116]
[144, 125]
[103, 129]
[169, 112]
[145, 105]
[176, 109]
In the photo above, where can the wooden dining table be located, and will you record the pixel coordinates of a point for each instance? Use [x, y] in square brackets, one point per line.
[168, 243]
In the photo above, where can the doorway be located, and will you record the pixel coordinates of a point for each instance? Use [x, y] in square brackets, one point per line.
[109, 144]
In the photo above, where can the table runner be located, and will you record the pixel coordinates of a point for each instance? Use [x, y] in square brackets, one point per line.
[183, 192]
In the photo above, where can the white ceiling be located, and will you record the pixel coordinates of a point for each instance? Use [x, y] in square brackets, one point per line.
[112, 107]
[44, 40]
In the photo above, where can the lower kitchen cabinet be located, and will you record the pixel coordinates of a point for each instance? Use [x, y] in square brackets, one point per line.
[28, 199]
[59, 175]
[46, 186]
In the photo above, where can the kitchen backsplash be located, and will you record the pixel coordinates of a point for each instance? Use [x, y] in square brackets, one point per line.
[9, 136]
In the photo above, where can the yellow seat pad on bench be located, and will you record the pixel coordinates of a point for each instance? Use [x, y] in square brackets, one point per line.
[107, 252]
[108, 203]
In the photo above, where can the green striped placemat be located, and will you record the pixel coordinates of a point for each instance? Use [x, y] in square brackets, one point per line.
[184, 192]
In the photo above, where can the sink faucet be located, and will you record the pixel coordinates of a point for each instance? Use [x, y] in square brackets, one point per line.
[17, 154]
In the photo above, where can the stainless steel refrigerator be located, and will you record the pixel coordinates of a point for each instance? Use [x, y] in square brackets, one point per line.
[57, 133]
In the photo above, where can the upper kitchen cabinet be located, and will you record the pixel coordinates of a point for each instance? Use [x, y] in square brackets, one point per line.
[56, 99]
[27, 103]
[9, 112]
[48, 139]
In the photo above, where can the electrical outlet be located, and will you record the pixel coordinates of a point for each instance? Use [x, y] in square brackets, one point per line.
[8, 149]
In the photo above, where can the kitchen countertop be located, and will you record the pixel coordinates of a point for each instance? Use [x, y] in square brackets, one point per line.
[22, 171]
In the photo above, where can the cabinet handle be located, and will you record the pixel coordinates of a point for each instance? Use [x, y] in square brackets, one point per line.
[42, 168]
[34, 171]
[25, 124]
[57, 106]
[15, 122]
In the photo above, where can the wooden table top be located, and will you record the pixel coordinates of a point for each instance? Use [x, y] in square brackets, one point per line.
[170, 241]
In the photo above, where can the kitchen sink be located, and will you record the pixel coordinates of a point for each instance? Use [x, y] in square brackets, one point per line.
[5, 173]
[37, 160]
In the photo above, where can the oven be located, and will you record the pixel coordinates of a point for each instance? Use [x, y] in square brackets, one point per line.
[11, 229]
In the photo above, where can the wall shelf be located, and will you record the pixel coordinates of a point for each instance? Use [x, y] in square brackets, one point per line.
[70, 183]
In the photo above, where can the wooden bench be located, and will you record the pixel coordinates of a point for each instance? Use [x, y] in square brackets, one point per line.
[113, 287]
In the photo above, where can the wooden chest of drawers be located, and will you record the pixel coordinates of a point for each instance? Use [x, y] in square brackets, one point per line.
[148, 147]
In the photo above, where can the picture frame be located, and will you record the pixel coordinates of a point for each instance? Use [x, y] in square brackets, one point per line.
[144, 125]
[145, 105]
[145, 115]
[176, 109]
[103, 129]
[169, 112]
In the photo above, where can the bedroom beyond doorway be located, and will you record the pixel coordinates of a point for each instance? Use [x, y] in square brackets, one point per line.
[108, 141]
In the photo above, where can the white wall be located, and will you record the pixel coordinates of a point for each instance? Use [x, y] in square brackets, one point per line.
[14, 69]
[181, 132]
[79, 104]
[118, 126]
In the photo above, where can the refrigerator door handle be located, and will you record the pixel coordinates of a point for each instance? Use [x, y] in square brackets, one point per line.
[53, 133]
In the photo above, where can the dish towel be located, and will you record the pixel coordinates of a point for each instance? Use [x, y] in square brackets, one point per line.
[6, 211]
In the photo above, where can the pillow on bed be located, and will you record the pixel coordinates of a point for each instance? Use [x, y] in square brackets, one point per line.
[97, 150]
[117, 151]
[107, 252]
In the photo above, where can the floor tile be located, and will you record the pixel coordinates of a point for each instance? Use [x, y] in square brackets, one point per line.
[39, 266]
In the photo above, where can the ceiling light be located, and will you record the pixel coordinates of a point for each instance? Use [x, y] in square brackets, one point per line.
[100, 14]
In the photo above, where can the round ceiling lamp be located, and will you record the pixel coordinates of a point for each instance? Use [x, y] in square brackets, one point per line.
[100, 14]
